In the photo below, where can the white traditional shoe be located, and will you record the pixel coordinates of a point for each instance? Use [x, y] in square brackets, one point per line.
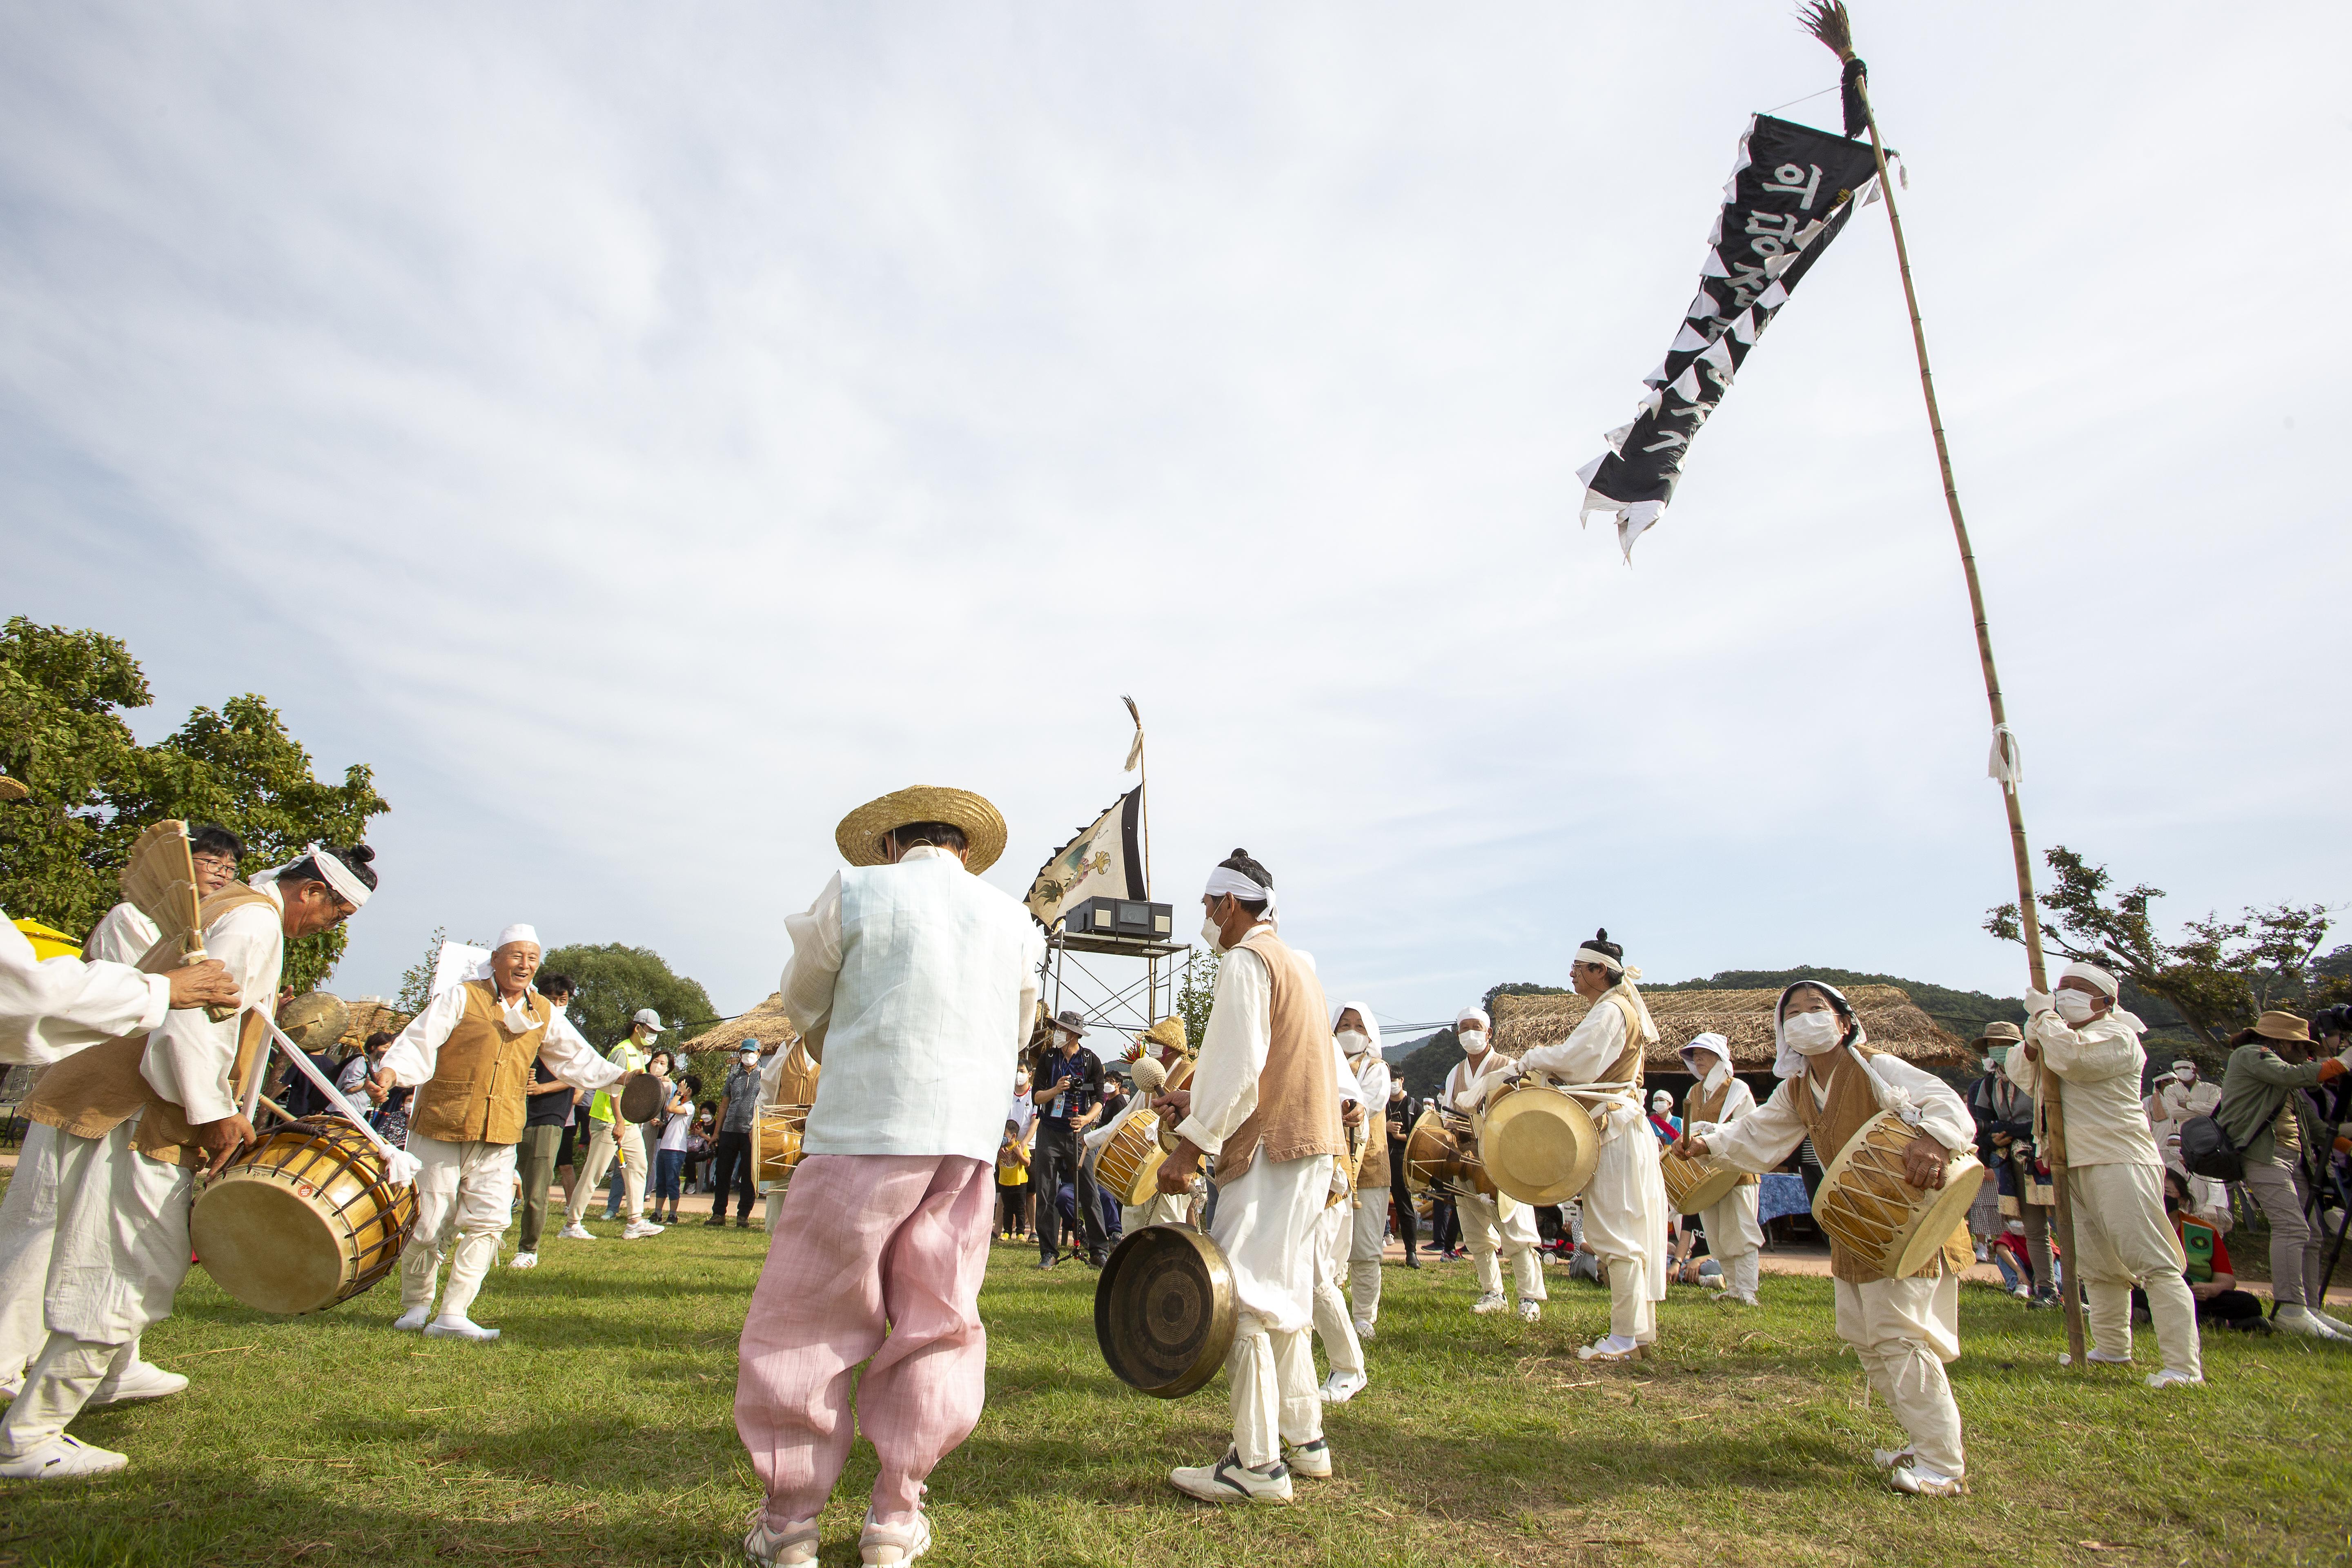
[1915, 1479]
[2094, 1358]
[1530, 1311]
[414, 1319]
[523, 1260]
[141, 1380]
[1363, 1329]
[1230, 1480]
[459, 1328]
[881, 1546]
[1340, 1387]
[639, 1229]
[1888, 1458]
[794, 1546]
[1492, 1301]
[62, 1458]
[575, 1231]
[1312, 1461]
[2172, 1377]
[1610, 1348]
[1733, 1298]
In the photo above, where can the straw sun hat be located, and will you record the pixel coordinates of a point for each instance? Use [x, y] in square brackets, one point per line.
[12, 789]
[859, 836]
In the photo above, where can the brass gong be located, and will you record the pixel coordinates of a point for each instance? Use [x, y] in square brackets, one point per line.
[1164, 1310]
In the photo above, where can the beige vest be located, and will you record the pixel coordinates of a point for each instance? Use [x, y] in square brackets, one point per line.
[480, 1077]
[1630, 1065]
[1697, 1107]
[1297, 1112]
[1851, 1102]
[92, 1092]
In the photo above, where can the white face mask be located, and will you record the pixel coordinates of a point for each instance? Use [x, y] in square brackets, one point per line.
[1354, 1042]
[2074, 1007]
[1474, 1043]
[1211, 935]
[1812, 1033]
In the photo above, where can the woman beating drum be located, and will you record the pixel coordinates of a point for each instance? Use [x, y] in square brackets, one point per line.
[1898, 1130]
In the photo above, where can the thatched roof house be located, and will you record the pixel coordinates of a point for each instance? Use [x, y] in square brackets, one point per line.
[370, 1014]
[765, 1023]
[1889, 1018]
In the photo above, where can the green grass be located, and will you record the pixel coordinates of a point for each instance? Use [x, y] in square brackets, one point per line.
[599, 1430]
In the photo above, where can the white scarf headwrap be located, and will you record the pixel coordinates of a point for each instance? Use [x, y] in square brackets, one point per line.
[1372, 1026]
[337, 875]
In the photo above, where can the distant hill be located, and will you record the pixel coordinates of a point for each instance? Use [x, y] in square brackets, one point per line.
[1394, 1054]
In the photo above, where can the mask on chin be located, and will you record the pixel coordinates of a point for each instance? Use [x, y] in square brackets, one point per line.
[1812, 1033]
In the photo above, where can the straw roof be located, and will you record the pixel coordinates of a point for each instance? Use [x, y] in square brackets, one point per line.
[370, 1014]
[1889, 1018]
[765, 1023]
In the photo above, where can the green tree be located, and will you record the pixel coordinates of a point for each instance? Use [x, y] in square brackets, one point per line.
[1195, 993]
[95, 789]
[614, 980]
[416, 980]
[2219, 975]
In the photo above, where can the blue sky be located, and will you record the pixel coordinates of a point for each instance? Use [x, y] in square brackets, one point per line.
[644, 435]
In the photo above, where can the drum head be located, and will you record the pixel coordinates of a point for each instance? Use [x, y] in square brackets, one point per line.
[1539, 1146]
[641, 1097]
[1164, 1310]
[267, 1244]
[1711, 1189]
[1947, 1211]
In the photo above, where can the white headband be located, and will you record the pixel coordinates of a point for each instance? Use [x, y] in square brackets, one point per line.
[1224, 881]
[1594, 955]
[1468, 1015]
[2092, 972]
[514, 933]
[336, 875]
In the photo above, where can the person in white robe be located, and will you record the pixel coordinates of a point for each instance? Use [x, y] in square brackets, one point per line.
[28, 1215]
[1264, 1102]
[2115, 1173]
[1734, 1237]
[1625, 1203]
[1334, 1231]
[1904, 1332]
[467, 1119]
[125, 1179]
[1497, 1225]
[1358, 1031]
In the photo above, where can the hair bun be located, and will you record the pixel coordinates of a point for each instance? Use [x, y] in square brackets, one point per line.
[1601, 935]
[1239, 855]
[357, 855]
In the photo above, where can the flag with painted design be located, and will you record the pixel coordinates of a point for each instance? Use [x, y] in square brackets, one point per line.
[1790, 191]
[1104, 860]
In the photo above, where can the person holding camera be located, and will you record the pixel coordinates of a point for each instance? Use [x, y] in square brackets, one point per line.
[2269, 1126]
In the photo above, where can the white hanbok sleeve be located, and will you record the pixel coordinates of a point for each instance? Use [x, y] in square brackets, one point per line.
[807, 984]
[1588, 1052]
[49, 1010]
[411, 1058]
[564, 1051]
[189, 1056]
[122, 937]
[1233, 1049]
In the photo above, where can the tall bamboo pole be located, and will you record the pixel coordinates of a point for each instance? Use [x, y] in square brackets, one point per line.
[2051, 1095]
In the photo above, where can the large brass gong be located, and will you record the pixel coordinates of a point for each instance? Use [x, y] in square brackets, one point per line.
[1164, 1310]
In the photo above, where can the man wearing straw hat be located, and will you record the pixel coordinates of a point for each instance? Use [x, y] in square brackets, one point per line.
[1151, 1073]
[471, 1050]
[914, 982]
[1264, 1103]
[2272, 1126]
[2114, 1174]
[1625, 1203]
[135, 1116]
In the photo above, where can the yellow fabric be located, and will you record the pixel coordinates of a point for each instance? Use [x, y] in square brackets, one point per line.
[47, 940]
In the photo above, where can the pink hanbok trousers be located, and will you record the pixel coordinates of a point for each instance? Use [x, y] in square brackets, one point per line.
[874, 1256]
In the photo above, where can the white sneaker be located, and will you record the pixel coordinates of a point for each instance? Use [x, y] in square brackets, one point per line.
[459, 1328]
[575, 1231]
[1340, 1387]
[1610, 1348]
[2294, 1320]
[2333, 1321]
[62, 1458]
[1312, 1461]
[1363, 1329]
[523, 1260]
[882, 1545]
[1230, 1480]
[792, 1547]
[1492, 1301]
[141, 1380]
[2171, 1378]
[414, 1319]
[637, 1230]
[1917, 1479]
[1530, 1311]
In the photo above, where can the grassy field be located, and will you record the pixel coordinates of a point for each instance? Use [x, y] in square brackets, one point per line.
[599, 1430]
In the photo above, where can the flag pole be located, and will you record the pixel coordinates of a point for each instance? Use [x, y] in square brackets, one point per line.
[1829, 23]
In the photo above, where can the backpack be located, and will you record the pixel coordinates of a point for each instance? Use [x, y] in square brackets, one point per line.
[2207, 1150]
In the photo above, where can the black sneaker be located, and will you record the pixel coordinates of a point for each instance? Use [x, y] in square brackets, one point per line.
[715, 1220]
[1048, 1260]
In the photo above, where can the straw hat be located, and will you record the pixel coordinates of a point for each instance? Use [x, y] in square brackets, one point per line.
[859, 836]
[2002, 1034]
[2283, 1027]
[12, 789]
[1168, 1033]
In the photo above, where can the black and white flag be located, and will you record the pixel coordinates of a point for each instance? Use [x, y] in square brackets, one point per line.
[1791, 190]
[1104, 860]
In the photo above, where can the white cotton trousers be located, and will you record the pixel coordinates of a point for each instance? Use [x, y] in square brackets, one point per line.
[1367, 1238]
[2122, 1239]
[120, 1252]
[465, 1196]
[1484, 1233]
[1163, 1209]
[1625, 1208]
[1265, 1225]
[601, 1142]
[1903, 1331]
[1733, 1239]
[1333, 1326]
